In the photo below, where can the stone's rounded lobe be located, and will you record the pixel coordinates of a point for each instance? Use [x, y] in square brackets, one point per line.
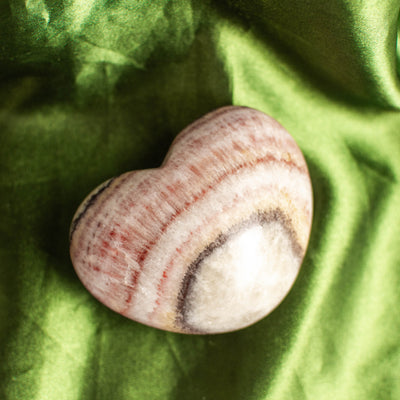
[211, 241]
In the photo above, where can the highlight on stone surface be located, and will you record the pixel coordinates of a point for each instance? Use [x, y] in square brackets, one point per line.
[210, 242]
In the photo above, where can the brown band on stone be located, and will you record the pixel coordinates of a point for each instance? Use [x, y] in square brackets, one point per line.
[88, 204]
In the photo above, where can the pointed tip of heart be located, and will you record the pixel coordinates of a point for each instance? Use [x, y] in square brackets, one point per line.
[210, 242]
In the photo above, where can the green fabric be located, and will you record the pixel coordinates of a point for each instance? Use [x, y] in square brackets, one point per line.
[91, 89]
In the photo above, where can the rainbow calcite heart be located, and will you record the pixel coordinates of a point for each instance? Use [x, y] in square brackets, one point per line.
[211, 241]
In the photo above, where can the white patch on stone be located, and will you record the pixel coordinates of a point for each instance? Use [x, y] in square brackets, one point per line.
[243, 280]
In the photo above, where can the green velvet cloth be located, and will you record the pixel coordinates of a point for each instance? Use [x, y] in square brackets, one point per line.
[93, 88]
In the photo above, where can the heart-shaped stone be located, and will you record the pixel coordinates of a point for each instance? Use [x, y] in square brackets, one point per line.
[211, 241]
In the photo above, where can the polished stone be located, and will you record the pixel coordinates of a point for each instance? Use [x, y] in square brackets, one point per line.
[210, 242]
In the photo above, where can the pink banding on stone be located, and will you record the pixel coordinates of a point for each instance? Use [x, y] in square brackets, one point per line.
[210, 242]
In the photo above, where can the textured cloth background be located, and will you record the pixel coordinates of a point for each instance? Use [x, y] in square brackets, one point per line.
[93, 88]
